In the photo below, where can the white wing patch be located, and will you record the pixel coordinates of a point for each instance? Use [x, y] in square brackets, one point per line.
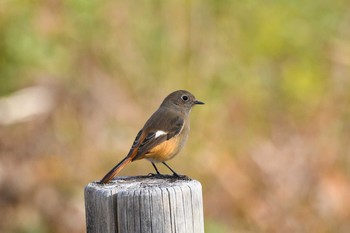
[159, 133]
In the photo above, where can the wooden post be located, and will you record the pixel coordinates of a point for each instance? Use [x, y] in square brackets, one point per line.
[144, 204]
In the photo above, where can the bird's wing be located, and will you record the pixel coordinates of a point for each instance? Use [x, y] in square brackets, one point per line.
[157, 134]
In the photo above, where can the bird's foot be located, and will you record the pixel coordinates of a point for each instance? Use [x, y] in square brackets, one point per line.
[179, 176]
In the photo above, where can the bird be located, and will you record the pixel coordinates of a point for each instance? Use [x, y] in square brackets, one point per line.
[163, 135]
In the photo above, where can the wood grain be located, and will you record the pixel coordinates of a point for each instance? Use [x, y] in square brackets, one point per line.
[145, 204]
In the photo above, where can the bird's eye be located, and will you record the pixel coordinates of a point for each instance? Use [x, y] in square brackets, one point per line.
[184, 97]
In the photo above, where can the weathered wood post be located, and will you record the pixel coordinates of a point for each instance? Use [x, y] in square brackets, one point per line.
[144, 204]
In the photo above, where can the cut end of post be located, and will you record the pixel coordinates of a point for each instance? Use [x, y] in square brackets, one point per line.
[149, 179]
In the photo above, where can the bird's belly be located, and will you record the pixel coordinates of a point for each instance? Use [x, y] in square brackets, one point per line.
[165, 151]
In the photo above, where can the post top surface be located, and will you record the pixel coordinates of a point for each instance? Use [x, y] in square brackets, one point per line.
[128, 183]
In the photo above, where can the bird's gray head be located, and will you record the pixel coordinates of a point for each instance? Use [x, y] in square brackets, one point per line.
[180, 99]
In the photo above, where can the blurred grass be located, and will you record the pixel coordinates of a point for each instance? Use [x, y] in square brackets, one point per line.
[270, 146]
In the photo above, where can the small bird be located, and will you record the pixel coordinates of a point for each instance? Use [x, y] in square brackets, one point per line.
[163, 135]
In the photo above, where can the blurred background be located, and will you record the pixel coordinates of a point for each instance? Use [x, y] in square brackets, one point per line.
[79, 78]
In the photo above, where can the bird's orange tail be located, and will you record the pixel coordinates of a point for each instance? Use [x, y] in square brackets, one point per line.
[112, 173]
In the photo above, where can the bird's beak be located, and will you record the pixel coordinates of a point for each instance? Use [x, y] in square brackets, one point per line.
[198, 102]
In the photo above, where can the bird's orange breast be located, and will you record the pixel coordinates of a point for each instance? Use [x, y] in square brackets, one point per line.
[165, 150]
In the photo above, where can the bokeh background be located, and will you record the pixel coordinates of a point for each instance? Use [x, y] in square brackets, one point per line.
[271, 146]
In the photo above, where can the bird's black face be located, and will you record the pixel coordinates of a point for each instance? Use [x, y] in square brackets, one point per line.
[182, 98]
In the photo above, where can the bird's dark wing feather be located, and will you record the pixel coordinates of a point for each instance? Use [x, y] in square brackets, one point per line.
[176, 125]
[171, 129]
